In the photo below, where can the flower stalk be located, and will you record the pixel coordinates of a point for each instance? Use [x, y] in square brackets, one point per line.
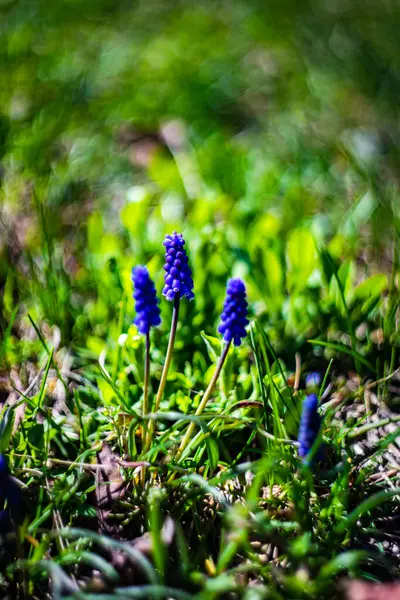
[204, 400]
[145, 409]
[147, 316]
[164, 374]
[178, 284]
[233, 328]
[146, 376]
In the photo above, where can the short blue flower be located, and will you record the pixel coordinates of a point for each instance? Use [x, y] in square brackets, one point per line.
[10, 491]
[313, 380]
[146, 301]
[178, 276]
[234, 316]
[310, 424]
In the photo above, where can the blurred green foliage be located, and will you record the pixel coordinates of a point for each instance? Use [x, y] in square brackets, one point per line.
[268, 133]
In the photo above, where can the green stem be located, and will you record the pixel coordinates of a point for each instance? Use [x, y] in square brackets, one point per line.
[146, 376]
[167, 362]
[121, 319]
[204, 400]
[145, 408]
[350, 328]
[355, 433]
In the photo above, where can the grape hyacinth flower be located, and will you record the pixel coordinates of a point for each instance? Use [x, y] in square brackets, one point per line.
[233, 328]
[147, 316]
[234, 316]
[178, 284]
[178, 276]
[146, 301]
[310, 425]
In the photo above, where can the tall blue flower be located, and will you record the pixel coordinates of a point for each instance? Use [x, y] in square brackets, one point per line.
[146, 301]
[178, 276]
[310, 424]
[234, 316]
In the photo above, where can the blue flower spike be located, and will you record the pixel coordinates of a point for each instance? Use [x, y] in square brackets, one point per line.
[178, 276]
[146, 301]
[310, 425]
[234, 316]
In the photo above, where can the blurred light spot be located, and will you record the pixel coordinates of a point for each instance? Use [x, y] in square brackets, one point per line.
[136, 193]
[172, 208]
[122, 339]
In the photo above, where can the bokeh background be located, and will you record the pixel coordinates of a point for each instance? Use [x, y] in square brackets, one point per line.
[267, 132]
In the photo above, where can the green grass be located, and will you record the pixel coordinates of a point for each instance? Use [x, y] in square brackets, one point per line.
[273, 148]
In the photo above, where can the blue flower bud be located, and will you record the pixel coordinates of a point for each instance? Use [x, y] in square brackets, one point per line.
[234, 316]
[178, 276]
[146, 301]
[310, 424]
[313, 380]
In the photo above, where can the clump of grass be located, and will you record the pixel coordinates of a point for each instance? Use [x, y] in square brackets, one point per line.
[115, 504]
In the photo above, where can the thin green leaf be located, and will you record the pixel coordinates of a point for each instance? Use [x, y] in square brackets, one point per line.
[7, 333]
[346, 350]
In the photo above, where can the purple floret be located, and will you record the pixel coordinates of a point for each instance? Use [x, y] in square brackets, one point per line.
[146, 301]
[178, 276]
[234, 316]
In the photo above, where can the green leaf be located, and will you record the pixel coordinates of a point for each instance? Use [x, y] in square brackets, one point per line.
[44, 380]
[159, 550]
[301, 257]
[213, 345]
[36, 436]
[6, 425]
[132, 449]
[373, 286]
[366, 506]
[88, 512]
[341, 287]
[342, 348]
[95, 233]
[106, 542]
[274, 282]
[344, 561]
[221, 584]
[301, 546]
[92, 560]
[213, 452]
[328, 264]
[7, 334]
[359, 214]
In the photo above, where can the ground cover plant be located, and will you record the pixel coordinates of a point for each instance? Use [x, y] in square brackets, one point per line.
[199, 276]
